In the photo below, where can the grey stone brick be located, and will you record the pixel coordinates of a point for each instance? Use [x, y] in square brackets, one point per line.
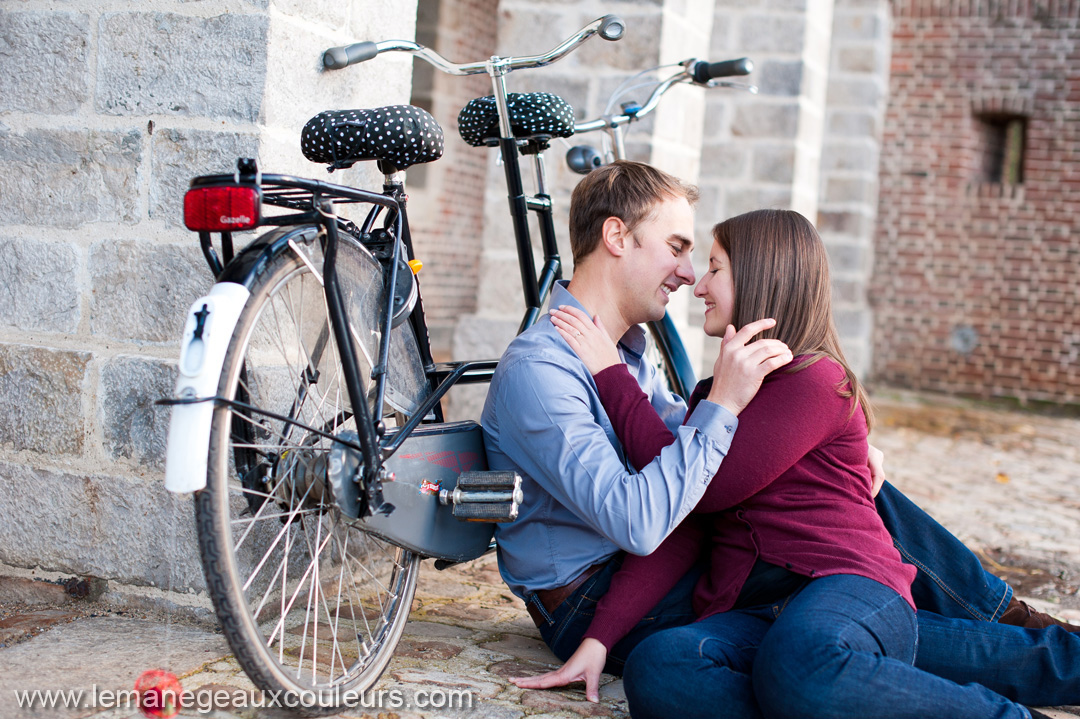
[50, 49]
[846, 257]
[722, 44]
[755, 198]
[848, 291]
[855, 92]
[39, 286]
[477, 336]
[762, 119]
[786, 4]
[500, 294]
[639, 47]
[65, 178]
[856, 26]
[846, 189]
[179, 155]
[132, 425]
[706, 215]
[718, 108]
[115, 527]
[773, 163]
[845, 223]
[331, 13]
[41, 400]
[856, 155]
[572, 88]
[780, 78]
[160, 63]
[860, 59]
[143, 291]
[853, 323]
[853, 122]
[528, 31]
[772, 33]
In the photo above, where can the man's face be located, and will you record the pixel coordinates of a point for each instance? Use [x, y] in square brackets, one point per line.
[658, 259]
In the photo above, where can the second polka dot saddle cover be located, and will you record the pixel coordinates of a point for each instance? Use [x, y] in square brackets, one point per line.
[534, 113]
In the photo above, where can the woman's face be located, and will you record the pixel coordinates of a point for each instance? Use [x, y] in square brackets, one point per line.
[718, 291]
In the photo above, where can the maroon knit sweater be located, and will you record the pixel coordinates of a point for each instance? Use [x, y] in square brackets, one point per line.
[794, 490]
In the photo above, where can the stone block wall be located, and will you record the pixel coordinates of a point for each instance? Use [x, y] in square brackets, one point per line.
[976, 283]
[850, 154]
[106, 112]
[763, 150]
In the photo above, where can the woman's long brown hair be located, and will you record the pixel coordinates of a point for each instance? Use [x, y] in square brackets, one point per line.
[779, 269]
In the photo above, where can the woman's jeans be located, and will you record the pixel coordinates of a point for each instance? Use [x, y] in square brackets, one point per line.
[843, 646]
[952, 591]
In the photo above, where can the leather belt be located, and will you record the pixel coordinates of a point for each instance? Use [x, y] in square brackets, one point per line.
[552, 598]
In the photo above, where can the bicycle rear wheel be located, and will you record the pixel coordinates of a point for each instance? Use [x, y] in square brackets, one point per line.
[311, 606]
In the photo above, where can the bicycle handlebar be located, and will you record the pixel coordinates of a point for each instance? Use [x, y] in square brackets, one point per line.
[609, 27]
[703, 71]
[338, 57]
[694, 71]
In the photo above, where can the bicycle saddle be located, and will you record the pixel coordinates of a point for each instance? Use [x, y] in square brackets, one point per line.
[532, 113]
[401, 135]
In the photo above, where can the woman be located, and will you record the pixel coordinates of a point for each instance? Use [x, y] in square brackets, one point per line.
[805, 608]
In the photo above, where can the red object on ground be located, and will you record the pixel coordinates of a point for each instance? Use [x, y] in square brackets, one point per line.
[159, 693]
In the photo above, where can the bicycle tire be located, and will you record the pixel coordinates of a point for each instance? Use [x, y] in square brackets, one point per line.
[311, 606]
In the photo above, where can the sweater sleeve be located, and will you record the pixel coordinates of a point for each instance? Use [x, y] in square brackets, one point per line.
[640, 430]
[642, 582]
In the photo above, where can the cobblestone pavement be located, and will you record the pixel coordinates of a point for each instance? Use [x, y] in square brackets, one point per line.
[1005, 482]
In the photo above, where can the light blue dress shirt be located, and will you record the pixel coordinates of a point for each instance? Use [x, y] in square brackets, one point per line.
[583, 500]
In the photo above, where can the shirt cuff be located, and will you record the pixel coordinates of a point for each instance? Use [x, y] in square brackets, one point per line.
[716, 422]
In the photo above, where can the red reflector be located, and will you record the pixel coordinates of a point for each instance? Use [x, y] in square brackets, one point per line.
[221, 209]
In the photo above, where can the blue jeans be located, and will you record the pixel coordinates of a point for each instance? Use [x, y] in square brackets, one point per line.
[951, 581]
[843, 646]
[952, 592]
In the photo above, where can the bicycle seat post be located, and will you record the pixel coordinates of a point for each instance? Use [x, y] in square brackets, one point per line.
[519, 212]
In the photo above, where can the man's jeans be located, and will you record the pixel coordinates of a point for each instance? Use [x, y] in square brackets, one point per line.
[951, 581]
[951, 590]
[843, 646]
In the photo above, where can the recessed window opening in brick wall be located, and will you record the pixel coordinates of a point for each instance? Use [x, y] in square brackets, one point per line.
[999, 148]
[423, 80]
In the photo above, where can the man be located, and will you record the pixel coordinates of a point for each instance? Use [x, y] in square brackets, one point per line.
[631, 231]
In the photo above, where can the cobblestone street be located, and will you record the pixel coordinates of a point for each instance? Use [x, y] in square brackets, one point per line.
[1005, 482]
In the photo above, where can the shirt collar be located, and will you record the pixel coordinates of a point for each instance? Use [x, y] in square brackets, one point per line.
[634, 339]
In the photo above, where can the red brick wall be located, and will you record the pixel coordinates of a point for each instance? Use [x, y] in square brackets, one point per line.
[448, 197]
[976, 286]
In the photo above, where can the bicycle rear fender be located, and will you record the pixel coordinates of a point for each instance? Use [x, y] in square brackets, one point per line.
[209, 327]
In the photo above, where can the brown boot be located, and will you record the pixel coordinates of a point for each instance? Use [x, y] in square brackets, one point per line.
[1019, 614]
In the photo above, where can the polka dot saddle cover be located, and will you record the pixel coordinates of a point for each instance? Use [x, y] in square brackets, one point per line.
[401, 135]
[534, 113]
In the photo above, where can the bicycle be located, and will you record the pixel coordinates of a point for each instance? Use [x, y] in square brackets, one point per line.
[307, 417]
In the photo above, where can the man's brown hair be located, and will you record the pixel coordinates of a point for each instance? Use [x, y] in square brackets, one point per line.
[624, 189]
[779, 268]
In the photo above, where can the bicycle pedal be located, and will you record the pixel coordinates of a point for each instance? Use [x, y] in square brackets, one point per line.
[485, 496]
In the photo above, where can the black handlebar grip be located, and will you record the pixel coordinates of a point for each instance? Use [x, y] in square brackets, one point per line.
[705, 71]
[338, 57]
[611, 27]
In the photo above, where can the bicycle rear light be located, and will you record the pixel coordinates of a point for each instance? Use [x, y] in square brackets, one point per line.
[224, 208]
